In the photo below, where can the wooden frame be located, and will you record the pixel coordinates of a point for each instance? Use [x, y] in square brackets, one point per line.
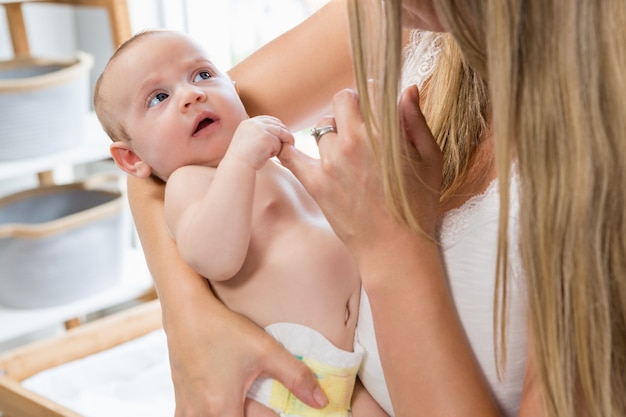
[96, 336]
[117, 10]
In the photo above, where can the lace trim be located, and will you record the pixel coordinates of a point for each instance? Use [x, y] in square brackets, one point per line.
[455, 222]
[420, 57]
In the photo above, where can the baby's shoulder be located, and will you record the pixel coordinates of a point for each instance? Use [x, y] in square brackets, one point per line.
[188, 181]
[190, 176]
[188, 171]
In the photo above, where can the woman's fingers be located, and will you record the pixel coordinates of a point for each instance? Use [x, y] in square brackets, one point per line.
[299, 163]
[415, 126]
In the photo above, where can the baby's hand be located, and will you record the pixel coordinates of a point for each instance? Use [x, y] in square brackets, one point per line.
[258, 139]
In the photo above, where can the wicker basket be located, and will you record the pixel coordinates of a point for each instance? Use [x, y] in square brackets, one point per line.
[60, 243]
[43, 104]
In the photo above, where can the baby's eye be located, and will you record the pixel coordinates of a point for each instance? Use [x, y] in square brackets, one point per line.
[202, 75]
[158, 98]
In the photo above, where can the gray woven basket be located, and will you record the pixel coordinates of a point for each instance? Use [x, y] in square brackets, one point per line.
[60, 243]
[43, 104]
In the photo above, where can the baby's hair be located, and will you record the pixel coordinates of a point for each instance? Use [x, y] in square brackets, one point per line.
[111, 126]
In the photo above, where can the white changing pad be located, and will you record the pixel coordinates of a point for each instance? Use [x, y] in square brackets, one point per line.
[131, 379]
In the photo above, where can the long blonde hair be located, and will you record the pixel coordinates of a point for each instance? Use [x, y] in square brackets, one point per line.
[557, 86]
[556, 70]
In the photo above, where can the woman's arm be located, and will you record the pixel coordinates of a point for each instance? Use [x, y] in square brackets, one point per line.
[443, 373]
[429, 366]
[531, 404]
[415, 319]
[363, 404]
[295, 76]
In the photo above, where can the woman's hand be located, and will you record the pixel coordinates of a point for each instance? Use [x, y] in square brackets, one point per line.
[212, 374]
[346, 181]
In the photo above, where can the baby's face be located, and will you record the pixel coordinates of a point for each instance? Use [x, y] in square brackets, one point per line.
[175, 105]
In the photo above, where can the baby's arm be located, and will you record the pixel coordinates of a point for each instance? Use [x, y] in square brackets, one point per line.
[208, 224]
[209, 211]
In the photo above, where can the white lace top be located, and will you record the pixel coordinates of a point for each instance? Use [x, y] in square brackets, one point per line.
[468, 238]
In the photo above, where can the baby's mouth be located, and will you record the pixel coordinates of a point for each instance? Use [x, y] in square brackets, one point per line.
[203, 123]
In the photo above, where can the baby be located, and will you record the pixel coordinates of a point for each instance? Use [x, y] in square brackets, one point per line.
[238, 217]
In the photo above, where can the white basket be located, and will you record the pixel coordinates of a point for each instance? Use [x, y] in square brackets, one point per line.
[60, 243]
[43, 105]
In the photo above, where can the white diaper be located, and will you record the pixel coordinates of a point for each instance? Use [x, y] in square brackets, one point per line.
[335, 369]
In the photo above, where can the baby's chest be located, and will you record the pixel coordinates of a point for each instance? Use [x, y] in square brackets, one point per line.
[289, 241]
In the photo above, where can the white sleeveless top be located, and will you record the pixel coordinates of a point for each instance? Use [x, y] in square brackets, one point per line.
[468, 237]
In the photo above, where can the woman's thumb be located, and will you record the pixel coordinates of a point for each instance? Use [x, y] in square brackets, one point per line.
[300, 380]
[414, 122]
[299, 163]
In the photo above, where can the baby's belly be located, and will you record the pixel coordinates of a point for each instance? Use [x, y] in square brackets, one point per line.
[298, 272]
[326, 302]
[329, 309]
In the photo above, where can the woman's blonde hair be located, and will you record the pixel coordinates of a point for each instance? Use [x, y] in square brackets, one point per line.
[454, 100]
[555, 71]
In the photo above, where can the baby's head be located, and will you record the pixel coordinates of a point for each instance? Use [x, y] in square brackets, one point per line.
[164, 104]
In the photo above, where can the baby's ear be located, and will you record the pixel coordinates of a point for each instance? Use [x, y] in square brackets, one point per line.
[128, 160]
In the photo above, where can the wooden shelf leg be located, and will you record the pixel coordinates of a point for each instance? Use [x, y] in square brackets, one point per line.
[17, 29]
[119, 20]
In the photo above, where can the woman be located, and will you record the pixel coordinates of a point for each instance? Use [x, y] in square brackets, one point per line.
[555, 73]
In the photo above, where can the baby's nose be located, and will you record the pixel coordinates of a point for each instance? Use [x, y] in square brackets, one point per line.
[193, 95]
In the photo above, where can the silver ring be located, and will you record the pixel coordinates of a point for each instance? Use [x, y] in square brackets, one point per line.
[318, 132]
